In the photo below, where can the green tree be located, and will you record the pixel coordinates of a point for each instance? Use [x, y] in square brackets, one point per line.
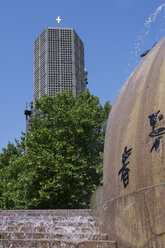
[10, 152]
[9, 173]
[63, 161]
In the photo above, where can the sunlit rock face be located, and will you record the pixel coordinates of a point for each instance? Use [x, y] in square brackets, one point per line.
[134, 207]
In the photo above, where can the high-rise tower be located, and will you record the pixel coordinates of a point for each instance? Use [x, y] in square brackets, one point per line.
[58, 62]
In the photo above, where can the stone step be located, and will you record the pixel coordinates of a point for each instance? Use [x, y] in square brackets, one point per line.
[48, 228]
[58, 216]
[50, 222]
[70, 222]
[98, 244]
[52, 236]
[55, 244]
[31, 243]
[51, 228]
[40, 228]
[54, 218]
[48, 219]
[63, 212]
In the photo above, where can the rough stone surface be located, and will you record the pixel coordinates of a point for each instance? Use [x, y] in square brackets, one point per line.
[135, 215]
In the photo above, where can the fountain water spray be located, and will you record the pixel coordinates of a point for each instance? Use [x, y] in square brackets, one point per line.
[50, 228]
[152, 31]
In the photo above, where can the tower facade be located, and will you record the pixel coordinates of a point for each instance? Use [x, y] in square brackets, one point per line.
[58, 62]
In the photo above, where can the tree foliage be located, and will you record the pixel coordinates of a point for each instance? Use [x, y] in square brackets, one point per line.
[62, 162]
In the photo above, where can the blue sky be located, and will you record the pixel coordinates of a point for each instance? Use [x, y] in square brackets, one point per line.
[113, 33]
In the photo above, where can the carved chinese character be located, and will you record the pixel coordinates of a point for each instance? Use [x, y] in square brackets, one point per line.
[124, 171]
[156, 144]
[154, 119]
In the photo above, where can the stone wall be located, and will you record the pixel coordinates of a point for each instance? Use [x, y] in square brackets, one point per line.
[131, 206]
